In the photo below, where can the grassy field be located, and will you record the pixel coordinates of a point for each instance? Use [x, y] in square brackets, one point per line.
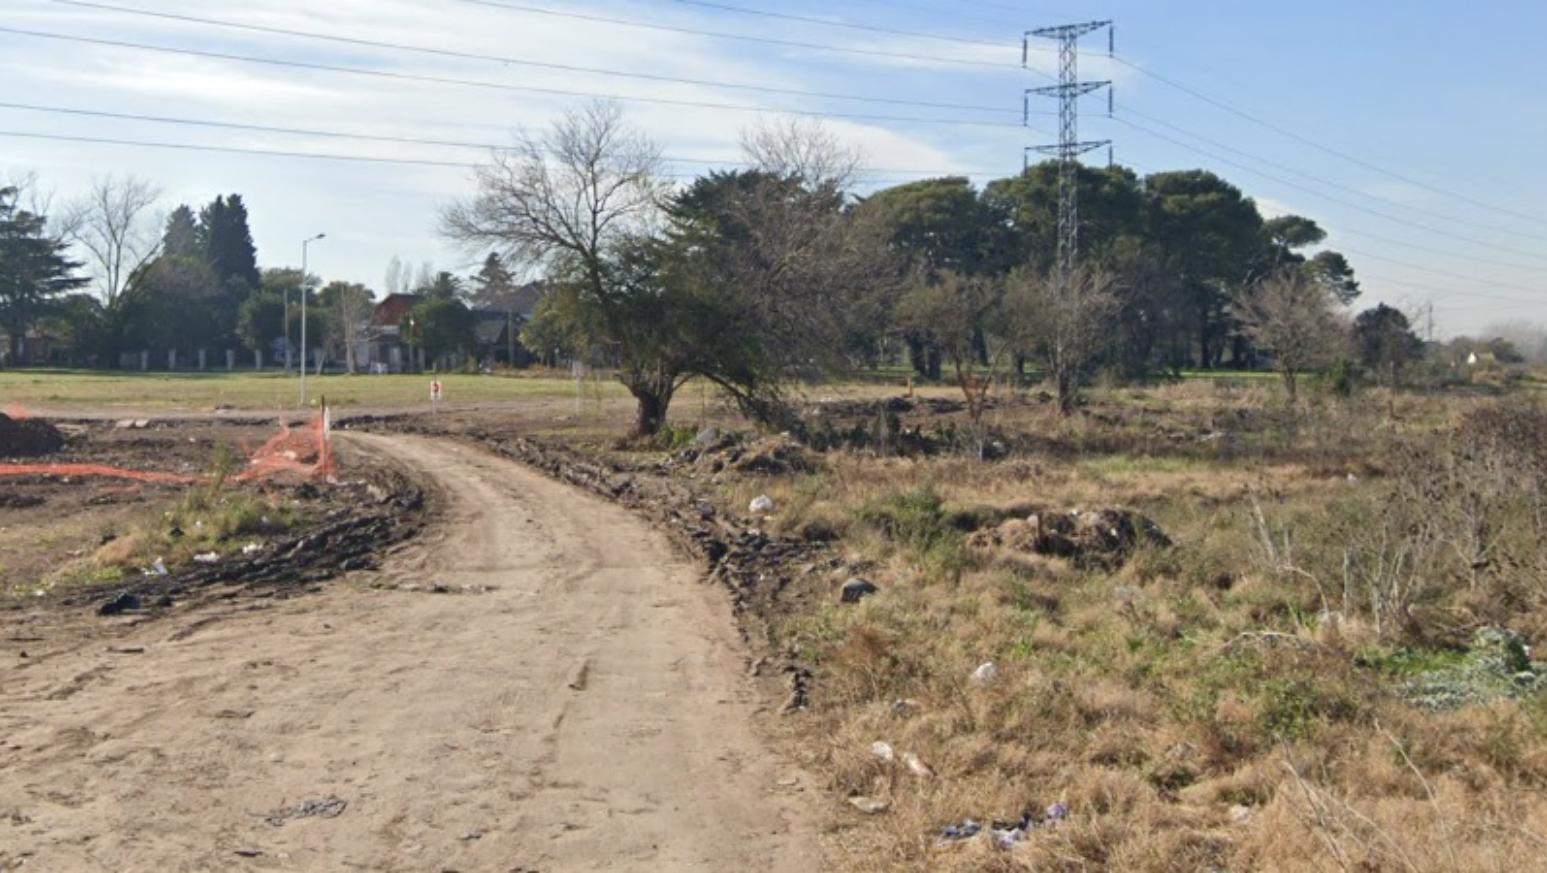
[86, 391]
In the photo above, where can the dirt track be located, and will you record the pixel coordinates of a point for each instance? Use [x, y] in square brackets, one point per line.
[576, 703]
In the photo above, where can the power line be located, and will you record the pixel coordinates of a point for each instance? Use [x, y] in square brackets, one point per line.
[826, 22]
[1331, 184]
[502, 86]
[276, 153]
[1284, 131]
[335, 134]
[505, 59]
[1315, 193]
[787, 43]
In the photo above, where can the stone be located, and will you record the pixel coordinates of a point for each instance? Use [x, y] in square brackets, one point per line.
[985, 675]
[762, 505]
[858, 589]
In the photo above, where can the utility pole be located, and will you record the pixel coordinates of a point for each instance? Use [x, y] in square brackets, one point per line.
[1068, 92]
[305, 244]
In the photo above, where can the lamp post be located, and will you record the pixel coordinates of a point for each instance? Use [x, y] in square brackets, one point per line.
[304, 245]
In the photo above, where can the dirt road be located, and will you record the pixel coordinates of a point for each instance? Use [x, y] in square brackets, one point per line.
[579, 706]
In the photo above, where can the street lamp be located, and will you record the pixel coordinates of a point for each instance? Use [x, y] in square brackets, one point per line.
[304, 245]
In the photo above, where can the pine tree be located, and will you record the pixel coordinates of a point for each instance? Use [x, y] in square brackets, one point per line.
[182, 238]
[34, 269]
[228, 245]
[495, 288]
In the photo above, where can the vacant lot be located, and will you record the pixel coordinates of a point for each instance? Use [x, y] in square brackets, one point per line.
[1190, 627]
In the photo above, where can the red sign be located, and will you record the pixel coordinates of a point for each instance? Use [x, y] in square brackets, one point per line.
[436, 390]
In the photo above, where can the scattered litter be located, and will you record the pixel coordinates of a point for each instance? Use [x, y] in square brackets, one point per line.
[157, 568]
[208, 558]
[126, 650]
[329, 807]
[882, 752]
[762, 505]
[869, 805]
[918, 767]
[985, 675]
[249, 853]
[1006, 835]
[902, 708]
[966, 829]
[252, 549]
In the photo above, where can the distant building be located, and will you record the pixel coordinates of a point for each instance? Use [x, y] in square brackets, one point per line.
[387, 349]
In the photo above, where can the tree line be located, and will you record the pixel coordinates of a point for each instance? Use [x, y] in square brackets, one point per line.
[759, 279]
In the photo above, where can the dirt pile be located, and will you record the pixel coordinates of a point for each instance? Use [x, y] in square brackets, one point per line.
[28, 437]
[714, 453]
[1104, 537]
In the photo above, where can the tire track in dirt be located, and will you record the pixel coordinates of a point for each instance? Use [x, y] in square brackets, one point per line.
[580, 707]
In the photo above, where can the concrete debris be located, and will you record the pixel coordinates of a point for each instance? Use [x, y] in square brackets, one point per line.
[1104, 538]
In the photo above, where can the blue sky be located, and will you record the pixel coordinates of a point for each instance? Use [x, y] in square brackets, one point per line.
[1444, 202]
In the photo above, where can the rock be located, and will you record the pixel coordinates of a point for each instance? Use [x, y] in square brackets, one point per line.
[903, 708]
[985, 675]
[707, 437]
[207, 558]
[882, 752]
[858, 589]
[119, 605]
[869, 805]
[762, 505]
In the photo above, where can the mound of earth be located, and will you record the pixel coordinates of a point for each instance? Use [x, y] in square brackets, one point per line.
[714, 452]
[1105, 537]
[28, 437]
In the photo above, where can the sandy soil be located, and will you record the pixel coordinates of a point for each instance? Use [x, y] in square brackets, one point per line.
[575, 702]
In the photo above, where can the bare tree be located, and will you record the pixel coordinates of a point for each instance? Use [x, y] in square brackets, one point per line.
[805, 149]
[351, 306]
[565, 203]
[1069, 328]
[115, 226]
[950, 311]
[397, 279]
[1295, 319]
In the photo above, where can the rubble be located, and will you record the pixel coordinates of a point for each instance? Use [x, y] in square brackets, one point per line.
[1105, 537]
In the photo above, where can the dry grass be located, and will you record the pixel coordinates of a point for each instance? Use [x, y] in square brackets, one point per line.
[1206, 707]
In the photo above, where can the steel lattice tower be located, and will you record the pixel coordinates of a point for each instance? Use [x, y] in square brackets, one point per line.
[1068, 91]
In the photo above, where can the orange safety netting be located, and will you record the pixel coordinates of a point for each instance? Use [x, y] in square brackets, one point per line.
[307, 452]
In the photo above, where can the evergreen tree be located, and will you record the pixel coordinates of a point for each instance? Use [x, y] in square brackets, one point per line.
[228, 245]
[34, 270]
[183, 237]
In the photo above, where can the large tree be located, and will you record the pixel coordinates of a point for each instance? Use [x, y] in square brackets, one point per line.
[1214, 237]
[1066, 323]
[570, 203]
[115, 226]
[789, 272]
[348, 306]
[35, 270]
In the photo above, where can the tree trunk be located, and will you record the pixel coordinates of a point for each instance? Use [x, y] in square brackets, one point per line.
[1290, 380]
[1066, 391]
[651, 412]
